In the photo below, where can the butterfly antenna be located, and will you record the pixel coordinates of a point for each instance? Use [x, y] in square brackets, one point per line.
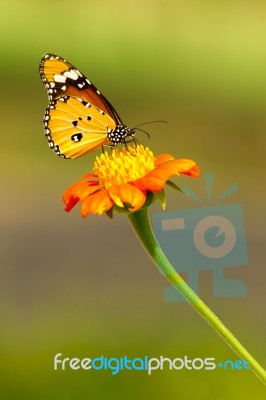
[142, 131]
[151, 122]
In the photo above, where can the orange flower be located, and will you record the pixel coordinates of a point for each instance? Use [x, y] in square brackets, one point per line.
[124, 179]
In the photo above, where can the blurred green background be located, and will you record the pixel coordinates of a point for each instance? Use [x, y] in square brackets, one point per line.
[86, 288]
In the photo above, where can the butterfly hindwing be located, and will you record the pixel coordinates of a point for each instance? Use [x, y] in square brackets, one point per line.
[75, 127]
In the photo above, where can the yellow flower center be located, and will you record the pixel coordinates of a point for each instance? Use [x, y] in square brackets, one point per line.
[123, 166]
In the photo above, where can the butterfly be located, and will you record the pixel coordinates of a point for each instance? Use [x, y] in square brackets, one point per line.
[79, 119]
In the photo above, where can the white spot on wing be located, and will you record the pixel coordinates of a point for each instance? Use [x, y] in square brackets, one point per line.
[79, 73]
[71, 75]
[59, 78]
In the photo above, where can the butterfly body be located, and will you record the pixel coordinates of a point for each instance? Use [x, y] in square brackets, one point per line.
[79, 119]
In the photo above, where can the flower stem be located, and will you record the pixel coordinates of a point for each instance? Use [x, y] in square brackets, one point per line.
[141, 224]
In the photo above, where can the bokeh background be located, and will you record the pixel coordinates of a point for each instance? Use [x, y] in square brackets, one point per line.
[86, 288]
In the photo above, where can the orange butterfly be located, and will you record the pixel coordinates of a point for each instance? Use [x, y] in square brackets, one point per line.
[79, 119]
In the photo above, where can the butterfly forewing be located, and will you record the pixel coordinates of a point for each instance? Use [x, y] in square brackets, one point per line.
[62, 78]
[74, 127]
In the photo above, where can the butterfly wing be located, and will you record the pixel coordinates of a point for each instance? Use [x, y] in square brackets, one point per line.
[61, 78]
[75, 127]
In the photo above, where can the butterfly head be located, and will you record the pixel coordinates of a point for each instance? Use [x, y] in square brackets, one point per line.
[119, 134]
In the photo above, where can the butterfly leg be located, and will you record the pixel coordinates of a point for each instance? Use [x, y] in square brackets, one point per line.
[107, 145]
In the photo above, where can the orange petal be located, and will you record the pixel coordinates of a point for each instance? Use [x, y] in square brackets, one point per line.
[188, 167]
[80, 190]
[70, 203]
[114, 193]
[96, 203]
[87, 176]
[161, 159]
[129, 194]
[153, 181]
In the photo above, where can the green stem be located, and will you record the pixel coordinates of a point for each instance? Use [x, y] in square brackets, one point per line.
[141, 224]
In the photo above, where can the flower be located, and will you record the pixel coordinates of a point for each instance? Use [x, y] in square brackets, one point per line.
[125, 179]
